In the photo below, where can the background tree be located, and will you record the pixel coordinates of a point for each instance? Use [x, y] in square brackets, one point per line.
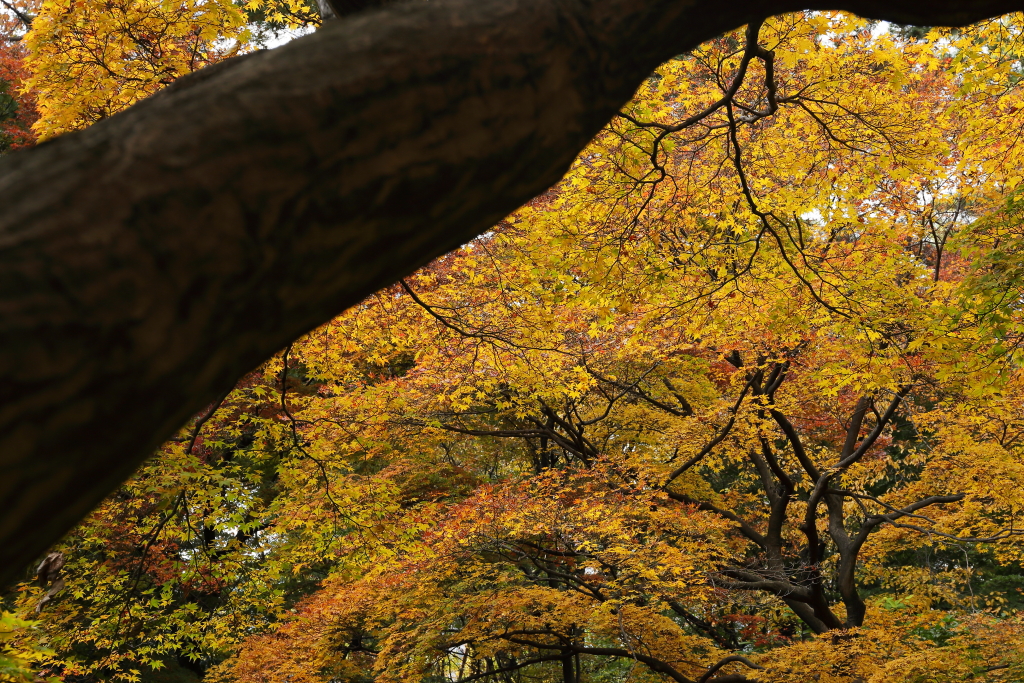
[680, 417]
[160, 255]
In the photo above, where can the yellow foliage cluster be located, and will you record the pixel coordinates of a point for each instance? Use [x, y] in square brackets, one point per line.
[90, 60]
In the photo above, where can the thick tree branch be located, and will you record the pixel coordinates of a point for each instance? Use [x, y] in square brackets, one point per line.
[872, 521]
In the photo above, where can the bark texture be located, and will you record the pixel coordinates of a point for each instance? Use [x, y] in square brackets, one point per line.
[149, 261]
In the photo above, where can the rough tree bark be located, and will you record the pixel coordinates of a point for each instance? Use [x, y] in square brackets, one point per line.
[149, 261]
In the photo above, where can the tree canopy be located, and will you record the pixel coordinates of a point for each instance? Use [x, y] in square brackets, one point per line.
[738, 399]
[151, 259]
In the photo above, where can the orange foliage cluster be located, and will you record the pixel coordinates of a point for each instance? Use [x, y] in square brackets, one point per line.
[17, 105]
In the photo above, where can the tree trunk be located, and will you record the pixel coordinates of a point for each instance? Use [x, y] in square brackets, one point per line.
[149, 261]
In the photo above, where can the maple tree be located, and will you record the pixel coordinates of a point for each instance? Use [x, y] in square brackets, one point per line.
[123, 316]
[738, 400]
